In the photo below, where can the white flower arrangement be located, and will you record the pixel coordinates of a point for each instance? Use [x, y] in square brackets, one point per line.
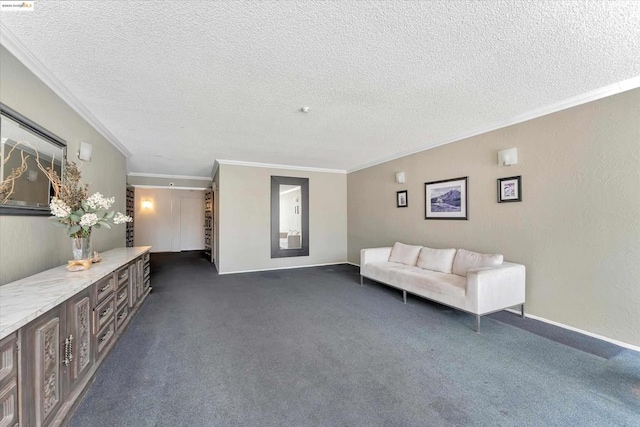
[92, 213]
[121, 218]
[98, 201]
[74, 209]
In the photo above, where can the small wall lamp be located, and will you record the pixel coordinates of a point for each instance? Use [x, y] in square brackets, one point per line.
[84, 153]
[508, 157]
[147, 204]
[400, 178]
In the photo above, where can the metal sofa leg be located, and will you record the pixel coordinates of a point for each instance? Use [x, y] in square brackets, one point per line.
[522, 310]
[404, 296]
[477, 323]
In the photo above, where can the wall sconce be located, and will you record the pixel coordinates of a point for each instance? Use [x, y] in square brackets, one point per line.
[400, 178]
[84, 153]
[508, 157]
[32, 176]
[147, 204]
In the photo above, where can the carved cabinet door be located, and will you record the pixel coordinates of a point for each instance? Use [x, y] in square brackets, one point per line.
[79, 326]
[9, 381]
[140, 272]
[44, 358]
[133, 285]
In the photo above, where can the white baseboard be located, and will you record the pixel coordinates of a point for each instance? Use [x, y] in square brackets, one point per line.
[580, 331]
[282, 268]
[353, 263]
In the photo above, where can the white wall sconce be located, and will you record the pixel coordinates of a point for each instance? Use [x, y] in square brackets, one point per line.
[400, 178]
[508, 157]
[84, 153]
[32, 176]
[147, 204]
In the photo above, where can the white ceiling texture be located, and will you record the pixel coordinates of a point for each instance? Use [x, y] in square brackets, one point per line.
[179, 84]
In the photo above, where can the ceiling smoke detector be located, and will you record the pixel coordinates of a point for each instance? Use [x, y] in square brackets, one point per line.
[304, 109]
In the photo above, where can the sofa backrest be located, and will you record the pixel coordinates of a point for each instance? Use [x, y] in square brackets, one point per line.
[466, 260]
[404, 254]
[436, 259]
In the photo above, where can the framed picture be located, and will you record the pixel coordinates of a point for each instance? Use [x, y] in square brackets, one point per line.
[402, 198]
[510, 189]
[446, 199]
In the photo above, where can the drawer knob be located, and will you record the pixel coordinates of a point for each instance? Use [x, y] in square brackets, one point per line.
[106, 336]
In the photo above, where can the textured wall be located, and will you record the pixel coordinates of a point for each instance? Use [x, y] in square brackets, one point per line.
[577, 229]
[380, 77]
[30, 245]
[165, 182]
[245, 218]
[160, 226]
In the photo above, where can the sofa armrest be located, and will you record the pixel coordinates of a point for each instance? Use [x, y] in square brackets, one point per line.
[374, 255]
[491, 289]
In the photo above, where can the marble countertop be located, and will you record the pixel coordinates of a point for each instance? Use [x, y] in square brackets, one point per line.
[26, 299]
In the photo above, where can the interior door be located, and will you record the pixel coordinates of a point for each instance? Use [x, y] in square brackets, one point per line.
[191, 220]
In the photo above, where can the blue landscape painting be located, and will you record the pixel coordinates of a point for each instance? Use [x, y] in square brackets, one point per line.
[446, 199]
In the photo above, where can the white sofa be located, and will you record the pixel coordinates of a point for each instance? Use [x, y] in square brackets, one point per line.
[469, 281]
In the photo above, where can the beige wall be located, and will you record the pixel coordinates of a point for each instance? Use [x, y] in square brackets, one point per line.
[161, 226]
[245, 219]
[577, 229]
[30, 245]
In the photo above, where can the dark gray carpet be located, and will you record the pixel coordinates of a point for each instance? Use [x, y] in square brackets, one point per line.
[310, 347]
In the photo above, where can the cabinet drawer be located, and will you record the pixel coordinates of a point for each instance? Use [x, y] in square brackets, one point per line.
[103, 313]
[104, 288]
[146, 257]
[147, 270]
[9, 405]
[121, 276]
[121, 297]
[8, 360]
[122, 316]
[104, 338]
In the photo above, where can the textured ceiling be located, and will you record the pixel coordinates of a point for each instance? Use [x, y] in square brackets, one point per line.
[183, 83]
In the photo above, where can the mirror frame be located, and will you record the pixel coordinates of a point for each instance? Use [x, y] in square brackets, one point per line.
[44, 134]
[276, 250]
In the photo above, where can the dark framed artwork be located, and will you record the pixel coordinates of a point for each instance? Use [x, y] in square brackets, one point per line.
[402, 199]
[446, 199]
[510, 189]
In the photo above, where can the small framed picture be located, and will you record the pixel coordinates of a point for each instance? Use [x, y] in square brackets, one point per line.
[446, 199]
[402, 199]
[510, 189]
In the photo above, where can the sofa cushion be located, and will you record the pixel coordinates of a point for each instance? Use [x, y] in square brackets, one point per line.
[466, 260]
[426, 283]
[404, 254]
[436, 259]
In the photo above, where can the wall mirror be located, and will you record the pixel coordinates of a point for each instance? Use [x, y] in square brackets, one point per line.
[289, 216]
[24, 189]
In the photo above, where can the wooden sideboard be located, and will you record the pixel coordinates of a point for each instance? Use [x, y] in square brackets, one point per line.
[56, 328]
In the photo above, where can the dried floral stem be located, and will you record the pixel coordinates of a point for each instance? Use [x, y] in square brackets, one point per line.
[8, 184]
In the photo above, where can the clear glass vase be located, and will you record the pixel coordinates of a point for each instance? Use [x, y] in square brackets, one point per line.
[81, 247]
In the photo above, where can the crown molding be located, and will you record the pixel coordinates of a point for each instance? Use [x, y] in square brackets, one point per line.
[594, 95]
[28, 59]
[157, 175]
[276, 166]
[166, 187]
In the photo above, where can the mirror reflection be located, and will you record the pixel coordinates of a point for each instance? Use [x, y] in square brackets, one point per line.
[290, 217]
[23, 185]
